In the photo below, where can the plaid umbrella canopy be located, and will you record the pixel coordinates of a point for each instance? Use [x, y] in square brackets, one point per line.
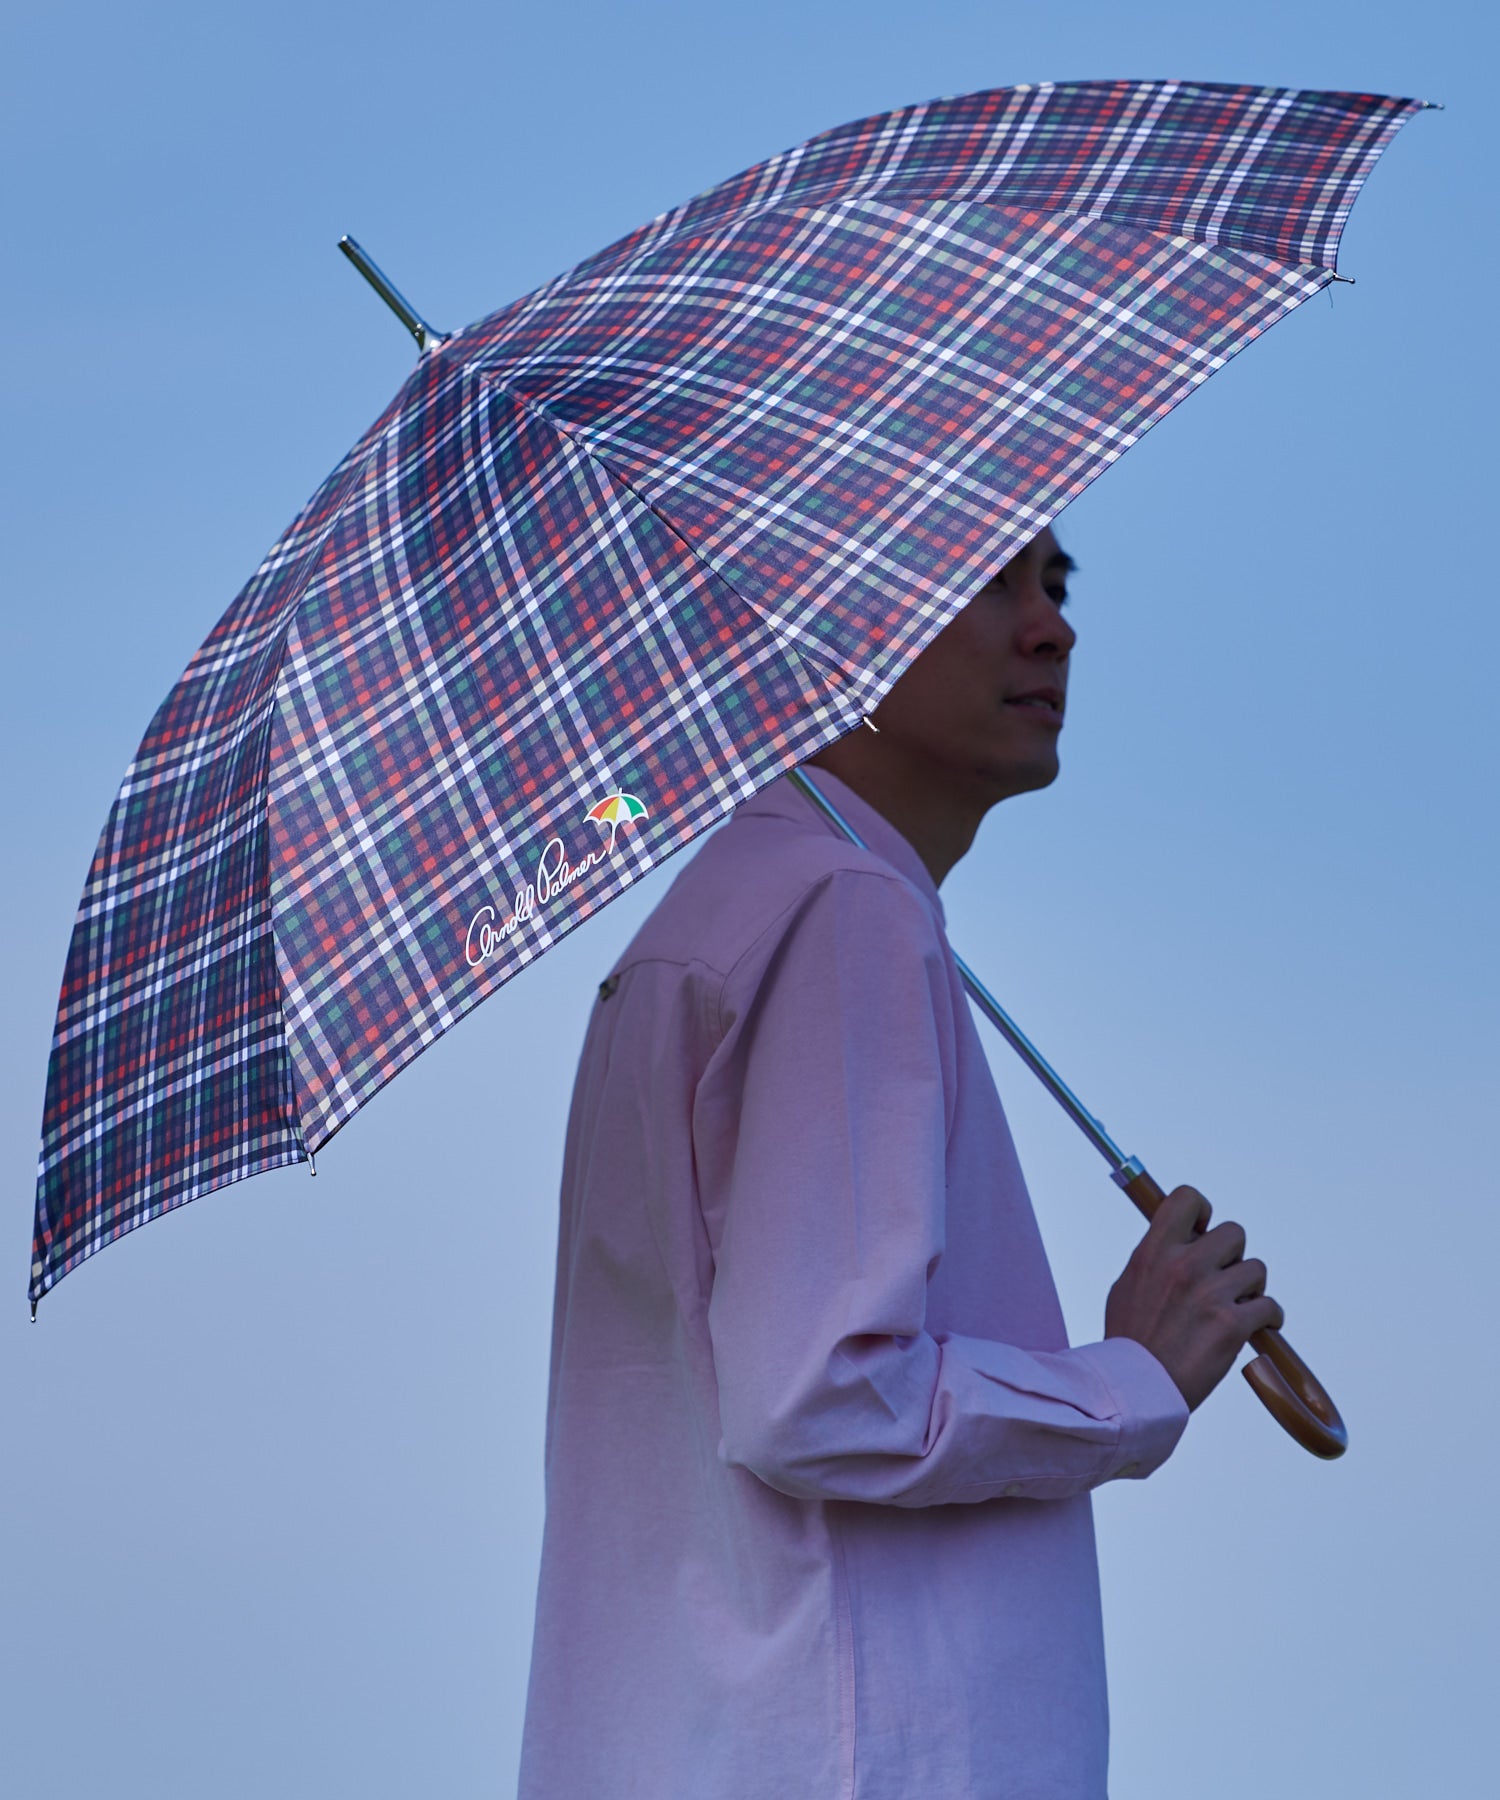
[618, 555]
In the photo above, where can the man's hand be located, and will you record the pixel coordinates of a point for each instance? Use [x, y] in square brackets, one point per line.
[1188, 1297]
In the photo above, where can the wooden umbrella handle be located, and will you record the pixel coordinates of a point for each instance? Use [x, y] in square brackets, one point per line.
[1281, 1381]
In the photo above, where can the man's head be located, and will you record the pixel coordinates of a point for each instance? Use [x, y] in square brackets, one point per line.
[958, 732]
[961, 707]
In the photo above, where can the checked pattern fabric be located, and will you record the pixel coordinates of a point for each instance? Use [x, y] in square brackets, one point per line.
[623, 552]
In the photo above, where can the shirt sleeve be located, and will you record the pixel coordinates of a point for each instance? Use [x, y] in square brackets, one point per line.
[823, 1120]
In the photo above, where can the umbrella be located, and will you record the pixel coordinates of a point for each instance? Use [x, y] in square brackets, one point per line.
[619, 554]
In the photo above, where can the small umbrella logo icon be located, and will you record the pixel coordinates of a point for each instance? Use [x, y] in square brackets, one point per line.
[615, 809]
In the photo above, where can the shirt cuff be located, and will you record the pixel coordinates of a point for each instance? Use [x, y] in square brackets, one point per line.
[1153, 1414]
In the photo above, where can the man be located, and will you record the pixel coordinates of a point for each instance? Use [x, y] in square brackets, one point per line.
[818, 1454]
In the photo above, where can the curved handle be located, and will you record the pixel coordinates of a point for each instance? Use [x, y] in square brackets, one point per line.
[1279, 1378]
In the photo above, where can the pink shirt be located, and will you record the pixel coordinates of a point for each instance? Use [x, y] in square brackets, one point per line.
[818, 1455]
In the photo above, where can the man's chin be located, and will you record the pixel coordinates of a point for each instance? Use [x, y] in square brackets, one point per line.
[1020, 775]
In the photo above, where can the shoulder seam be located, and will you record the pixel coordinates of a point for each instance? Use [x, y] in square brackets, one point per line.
[672, 962]
[892, 876]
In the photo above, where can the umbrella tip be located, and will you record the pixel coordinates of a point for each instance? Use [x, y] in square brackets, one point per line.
[33, 1312]
[428, 338]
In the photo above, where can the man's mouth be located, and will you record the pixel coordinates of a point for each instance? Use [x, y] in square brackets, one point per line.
[1043, 700]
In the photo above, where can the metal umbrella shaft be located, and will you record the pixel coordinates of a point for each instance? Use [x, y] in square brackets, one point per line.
[1284, 1384]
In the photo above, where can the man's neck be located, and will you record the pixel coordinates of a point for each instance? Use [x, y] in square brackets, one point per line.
[936, 816]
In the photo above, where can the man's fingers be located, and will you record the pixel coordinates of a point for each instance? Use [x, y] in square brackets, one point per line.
[1224, 1245]
[1254, 1309]
[1244, 1279]
[1181, 1216]
[1260, 1313]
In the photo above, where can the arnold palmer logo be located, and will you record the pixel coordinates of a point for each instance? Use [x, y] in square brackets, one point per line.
[554, 873]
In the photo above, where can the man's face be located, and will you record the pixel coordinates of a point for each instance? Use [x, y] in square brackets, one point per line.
[960, 706]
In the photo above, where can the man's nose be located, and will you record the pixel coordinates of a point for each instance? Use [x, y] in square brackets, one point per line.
[1044, 628]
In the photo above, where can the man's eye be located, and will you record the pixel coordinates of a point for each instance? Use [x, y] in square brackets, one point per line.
[1059, 596]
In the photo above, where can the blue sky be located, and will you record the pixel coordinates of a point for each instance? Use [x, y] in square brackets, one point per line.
[271, 1487]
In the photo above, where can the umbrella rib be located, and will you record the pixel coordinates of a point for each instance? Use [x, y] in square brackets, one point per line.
[619, 478]
[939, 350]
[767, 506]
[679, 224]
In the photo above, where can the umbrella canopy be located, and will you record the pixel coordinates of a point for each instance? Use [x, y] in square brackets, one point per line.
[618, 555]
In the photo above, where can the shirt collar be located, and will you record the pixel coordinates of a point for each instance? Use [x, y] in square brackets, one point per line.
[783, 800]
